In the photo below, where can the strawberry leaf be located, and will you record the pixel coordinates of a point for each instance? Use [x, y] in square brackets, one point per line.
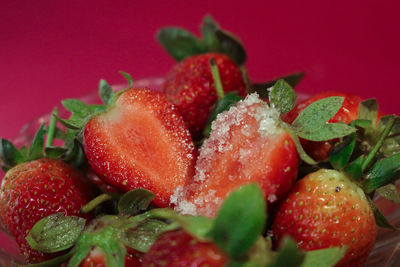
[262, 88]
[180, 43]
[341, 153]
[128, 78]
[230, 45]
[36, 150]
[327, 257]
[380, 219]
[54, 152]
[144, 235]
[389, 192]
[55, 233]
[368, 110]
[240, 221]
[135, 201]
[9, 154]
[288, 255]
[354, 169]
[311, 124]
[209, 28]
[282, 96]
[222, 105]
[383, 172]
[197, 226]
[106, 92]
[74, 105]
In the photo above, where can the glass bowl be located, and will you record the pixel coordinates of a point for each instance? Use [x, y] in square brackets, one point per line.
[386, 250]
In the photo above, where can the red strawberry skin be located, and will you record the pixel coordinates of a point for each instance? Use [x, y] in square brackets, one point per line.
[141, 141]
[96, 258]
[319, 151]
[246, 145]
[325, 209]
[33, 190]
[179, 249]
[190, 86]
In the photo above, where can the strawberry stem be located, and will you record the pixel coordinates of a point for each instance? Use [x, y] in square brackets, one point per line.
[378, 145]
[97, 201]
[216, 78]
[52, 128]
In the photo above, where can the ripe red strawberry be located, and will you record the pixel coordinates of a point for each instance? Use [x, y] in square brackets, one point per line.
[179, 249]
[348, 112]
[190, 87]
[246, 145]
[36, 189]
[326, 209]
[96, 258]
[140, 141]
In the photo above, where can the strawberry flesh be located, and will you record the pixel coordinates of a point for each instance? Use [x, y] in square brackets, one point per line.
[141, 141]
[246, 145]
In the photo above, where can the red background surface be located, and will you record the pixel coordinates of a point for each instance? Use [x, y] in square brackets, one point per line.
[50, 50]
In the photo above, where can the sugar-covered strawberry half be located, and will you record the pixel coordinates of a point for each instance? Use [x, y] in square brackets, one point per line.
[319, 150]
[137, 140]
[189, 85]
[249, 143]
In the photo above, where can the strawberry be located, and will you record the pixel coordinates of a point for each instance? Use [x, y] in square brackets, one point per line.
[319, 151]
[137, 140]
[96, 258]
[326, 209]
[178, 248]
[190, 87]
[35, 189]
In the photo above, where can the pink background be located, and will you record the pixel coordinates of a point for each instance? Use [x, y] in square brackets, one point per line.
[50, 50]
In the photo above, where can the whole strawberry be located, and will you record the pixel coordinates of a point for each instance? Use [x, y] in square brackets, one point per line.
[36, 189]
[190, 87]
[179, 249]
[326, 209]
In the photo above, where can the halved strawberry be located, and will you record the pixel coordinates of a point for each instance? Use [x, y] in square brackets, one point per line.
[138, 140]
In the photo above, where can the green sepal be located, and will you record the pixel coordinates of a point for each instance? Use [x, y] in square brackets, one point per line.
[391, 145]
[368, 110]
[55, 233]
[327, 257]
[383, 172]
[354, 169]
[114, 253]
[128, 78]
[105, 92]
[222, 105]
[282, 96]
[311, 124]
[9, 154]
[380, 219]
[36, 150]
[78, 256]
[55, 152]
[389, 192]
[300, 150]
[75, 105]
[180, 43]
[341, 153]
[260, 254]
[208, 29]
[230, 45]
[55, 262]
[142, 237]
[75, 155]
[288, 255]
[240, 221]
[262, 88]
[135, 201]
[362, 123]
[198, 226]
